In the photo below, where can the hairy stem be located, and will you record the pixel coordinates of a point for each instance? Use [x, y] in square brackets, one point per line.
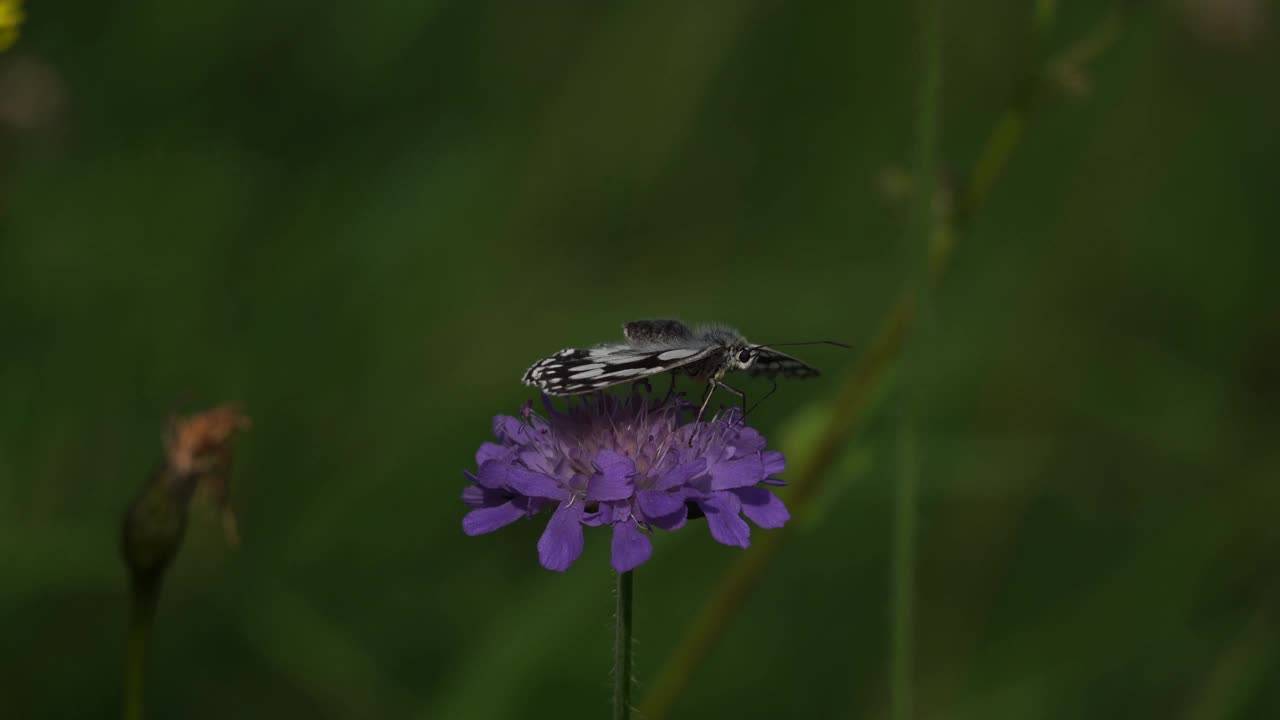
[622, 649]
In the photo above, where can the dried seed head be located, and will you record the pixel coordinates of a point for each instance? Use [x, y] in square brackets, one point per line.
[197, 455]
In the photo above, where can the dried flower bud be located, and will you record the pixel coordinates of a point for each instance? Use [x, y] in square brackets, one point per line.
[154, 525]
[199, 444]
[197, 454]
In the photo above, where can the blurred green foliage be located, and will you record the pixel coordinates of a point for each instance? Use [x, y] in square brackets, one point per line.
[364, 220]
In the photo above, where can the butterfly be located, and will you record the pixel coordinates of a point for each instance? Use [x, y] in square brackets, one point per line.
[705, 352]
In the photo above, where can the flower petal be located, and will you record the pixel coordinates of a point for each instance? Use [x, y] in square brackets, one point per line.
[473, 496]
[748, 441]
[631, 547]
[487, 519]
[477, 496]
[492, 474]
[489, 451]
[605, 514]
[561, 542]
[613, 482]
[510, 429]
[656, 504]
[533, 459]
[680, 474]
[614, 463]
[743, 472]
[723, 521]
[674, 521]
[774, 462]
[762, 507]
[533, 484]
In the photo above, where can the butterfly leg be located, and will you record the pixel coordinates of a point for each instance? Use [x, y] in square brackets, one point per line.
[741, 395]
[706, 398]
[671, 389]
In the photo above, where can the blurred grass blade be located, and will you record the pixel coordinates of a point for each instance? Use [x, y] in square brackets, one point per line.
[917, 252]
[864, 381]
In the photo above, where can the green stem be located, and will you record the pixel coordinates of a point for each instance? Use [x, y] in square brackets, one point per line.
[853, 399]
[622, 649]
[142, 610]
[901, 642]
[917, 255]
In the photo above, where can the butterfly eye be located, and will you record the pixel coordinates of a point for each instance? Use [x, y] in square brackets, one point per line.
[744, 356]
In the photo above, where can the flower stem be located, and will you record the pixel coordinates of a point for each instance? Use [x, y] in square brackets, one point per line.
[142, 610]
[916, 260]
[902, 580]
[622, 649]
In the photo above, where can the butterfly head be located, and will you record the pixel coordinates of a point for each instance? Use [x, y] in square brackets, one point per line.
[742, 356]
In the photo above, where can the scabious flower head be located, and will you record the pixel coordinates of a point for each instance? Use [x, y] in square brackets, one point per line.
[632, 463]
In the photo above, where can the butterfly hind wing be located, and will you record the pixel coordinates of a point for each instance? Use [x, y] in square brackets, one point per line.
[579, 371]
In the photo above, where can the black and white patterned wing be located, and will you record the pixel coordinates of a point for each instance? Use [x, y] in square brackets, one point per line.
[771, 363]
[577, 371]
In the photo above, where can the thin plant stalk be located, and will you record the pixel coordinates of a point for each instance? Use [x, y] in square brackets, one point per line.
[197, 450]
[622, 648]
[916, 253]
[872, 369]
[903, 571]
[142, 610]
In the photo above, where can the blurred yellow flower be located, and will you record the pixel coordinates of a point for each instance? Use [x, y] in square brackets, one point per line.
[10, 19]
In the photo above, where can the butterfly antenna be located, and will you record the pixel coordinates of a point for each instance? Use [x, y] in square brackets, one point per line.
[811, 342]
[766, 397]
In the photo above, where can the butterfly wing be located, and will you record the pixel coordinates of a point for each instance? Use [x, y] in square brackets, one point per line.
[771, 363]
[578, 371]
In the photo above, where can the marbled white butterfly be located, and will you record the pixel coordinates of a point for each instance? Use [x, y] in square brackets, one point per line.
[656, 346]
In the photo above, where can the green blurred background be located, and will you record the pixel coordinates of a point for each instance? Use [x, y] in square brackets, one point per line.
[363, 221]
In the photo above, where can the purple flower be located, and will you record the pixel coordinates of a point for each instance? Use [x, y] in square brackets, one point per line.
[630, 463]
[738, 469]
